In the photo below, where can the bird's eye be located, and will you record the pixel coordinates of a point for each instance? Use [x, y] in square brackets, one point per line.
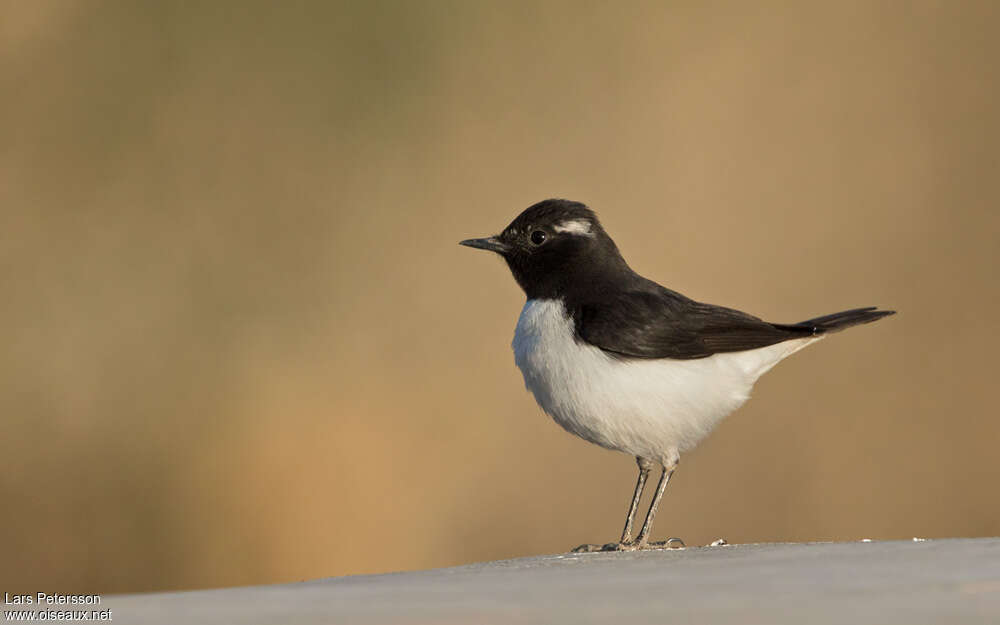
[538, 237]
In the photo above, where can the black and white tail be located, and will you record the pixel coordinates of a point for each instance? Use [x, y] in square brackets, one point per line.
[843, 320]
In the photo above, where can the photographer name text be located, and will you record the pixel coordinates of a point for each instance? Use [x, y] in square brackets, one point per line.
[44, 598]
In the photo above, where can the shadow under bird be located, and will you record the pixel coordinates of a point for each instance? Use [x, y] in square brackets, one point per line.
[625, 363]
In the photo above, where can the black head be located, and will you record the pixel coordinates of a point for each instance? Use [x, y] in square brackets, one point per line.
[556, 247]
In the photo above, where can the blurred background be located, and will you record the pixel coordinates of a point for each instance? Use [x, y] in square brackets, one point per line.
[243, 346]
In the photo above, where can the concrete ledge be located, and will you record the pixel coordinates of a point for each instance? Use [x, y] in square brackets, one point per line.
[906, 582]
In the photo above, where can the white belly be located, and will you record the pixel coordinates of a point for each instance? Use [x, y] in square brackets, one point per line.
[642, 407]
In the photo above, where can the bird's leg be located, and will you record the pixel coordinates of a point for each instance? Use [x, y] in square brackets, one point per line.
[644, 467]
[668, 470]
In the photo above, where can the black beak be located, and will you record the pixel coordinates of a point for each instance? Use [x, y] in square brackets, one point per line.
[492, 244]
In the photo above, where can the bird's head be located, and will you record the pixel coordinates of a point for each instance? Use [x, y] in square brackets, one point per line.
[553, 247]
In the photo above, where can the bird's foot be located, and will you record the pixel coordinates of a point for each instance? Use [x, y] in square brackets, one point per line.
[595, 548]
[670, 543]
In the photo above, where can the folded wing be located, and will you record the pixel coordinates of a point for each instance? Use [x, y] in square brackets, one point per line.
[655, 322]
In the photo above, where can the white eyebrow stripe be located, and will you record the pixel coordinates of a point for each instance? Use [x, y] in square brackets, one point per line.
[575, 226]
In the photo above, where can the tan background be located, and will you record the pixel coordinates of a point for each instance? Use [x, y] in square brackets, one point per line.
[242, 345]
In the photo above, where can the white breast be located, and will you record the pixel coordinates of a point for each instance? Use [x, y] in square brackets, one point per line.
[648, 408]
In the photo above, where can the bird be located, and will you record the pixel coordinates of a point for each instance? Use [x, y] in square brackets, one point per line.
[625, 363]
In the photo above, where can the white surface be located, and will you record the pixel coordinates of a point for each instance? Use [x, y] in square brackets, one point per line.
[954, 581]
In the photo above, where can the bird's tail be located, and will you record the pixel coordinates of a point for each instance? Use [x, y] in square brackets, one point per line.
[842, 320]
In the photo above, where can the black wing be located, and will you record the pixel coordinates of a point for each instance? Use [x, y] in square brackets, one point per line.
[650, 321]
[655, 322]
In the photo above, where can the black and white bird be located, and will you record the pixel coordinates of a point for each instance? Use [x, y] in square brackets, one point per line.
[623, 362]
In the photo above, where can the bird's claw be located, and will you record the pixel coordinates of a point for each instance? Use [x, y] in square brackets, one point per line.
[670, 543]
